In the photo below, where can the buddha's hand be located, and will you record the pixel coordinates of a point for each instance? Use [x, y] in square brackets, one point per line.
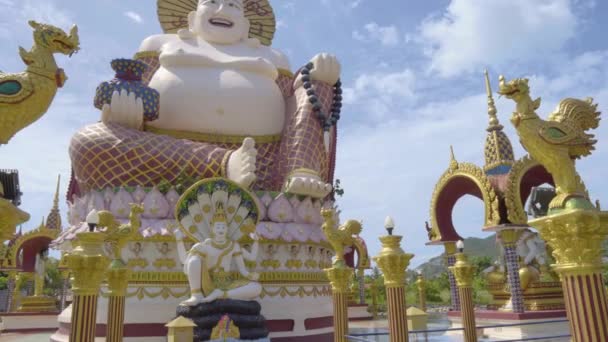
[326, 68]
[124, 109]
[241, 164]
[308, 183]
[179, 236]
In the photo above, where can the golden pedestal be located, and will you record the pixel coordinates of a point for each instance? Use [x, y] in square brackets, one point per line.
[37, 304]
[88, 265]
[576, 234]
[463, 271]
[339, 278]
[539, 296]
[393, 262]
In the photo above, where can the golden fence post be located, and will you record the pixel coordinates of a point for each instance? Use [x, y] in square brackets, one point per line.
[421, 284]
[393, 262]
[463, 272]
[576, 237]
[88, 264]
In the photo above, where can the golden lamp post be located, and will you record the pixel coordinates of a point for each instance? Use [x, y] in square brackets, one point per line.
[88, 264]
[421, 285]
[393, 262]
[463, 272]
[339, 278]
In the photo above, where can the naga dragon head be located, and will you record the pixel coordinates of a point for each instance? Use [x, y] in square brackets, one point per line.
[518, 90]
[513, 89]
[55, 39]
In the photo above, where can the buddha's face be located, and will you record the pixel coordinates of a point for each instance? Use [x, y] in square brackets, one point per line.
[219, 21]
[219, 231]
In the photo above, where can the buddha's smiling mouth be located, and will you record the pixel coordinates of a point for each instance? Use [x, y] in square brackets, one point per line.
[221, 22]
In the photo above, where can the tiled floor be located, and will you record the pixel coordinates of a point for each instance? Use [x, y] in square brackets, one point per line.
[25, 338]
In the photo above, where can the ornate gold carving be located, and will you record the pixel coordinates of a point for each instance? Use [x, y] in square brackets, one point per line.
[40, 232]
[339, 278]
[10, 217]
[515, 208]
[213, 138]
[576, 237]
[301, 292]
[87, 263]
[340, 237]
[393, 261]
[310, 263]
[282, 291]
[556, 142]
[509, 237]
[272, 263]
[477, 176]
[293, 263]
[117, 234]
[225, 330]
[165, 292]
[32, 91]
[137, 262]
[180, 278]
[118, 280]
[158, 278]
[164, 262]
[463, 271]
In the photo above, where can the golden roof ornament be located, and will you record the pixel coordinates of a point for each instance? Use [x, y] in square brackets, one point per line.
[53, 220]
[453, 161]
[498, 151]
[494, 123]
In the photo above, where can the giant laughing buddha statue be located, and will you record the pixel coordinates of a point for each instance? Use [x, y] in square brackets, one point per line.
[227, 106]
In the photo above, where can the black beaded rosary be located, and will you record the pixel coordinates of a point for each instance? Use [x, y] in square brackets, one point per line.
[326, 121]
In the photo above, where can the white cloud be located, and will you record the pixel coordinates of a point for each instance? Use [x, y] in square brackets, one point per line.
[386, 35]
[355, 3]
[391, 168]
[15, 15]
[472, 34]
[378, 91]
[135, 17]
[281, 24]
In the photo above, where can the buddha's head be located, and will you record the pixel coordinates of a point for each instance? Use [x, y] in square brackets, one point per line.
[219, 21]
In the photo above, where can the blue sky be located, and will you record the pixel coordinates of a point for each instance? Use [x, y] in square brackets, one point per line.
[413, 78]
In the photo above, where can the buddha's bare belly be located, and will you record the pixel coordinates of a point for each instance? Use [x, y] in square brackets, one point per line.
[218, 101]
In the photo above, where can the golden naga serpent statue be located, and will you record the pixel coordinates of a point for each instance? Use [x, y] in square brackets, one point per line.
[26, 96]
[557, 142]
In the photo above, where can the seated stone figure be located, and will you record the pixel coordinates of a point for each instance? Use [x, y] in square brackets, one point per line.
[229, 107]
[208, 265]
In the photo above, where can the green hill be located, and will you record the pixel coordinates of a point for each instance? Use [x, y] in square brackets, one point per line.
[473, 247]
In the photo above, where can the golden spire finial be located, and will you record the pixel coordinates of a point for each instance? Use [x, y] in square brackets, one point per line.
[494, 124]
[56, 199]
[453, 161]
